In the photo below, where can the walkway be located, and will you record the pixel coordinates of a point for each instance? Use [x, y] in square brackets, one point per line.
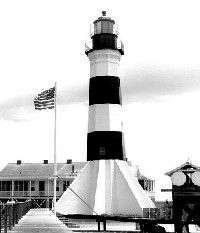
[40, 220]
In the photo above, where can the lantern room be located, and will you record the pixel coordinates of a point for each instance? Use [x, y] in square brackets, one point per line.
[103, 24]
[104, 35]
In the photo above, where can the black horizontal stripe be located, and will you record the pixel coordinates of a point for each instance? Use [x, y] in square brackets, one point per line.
[104, 89]
[48, 94]
[46, 97]
[104, 40]
[43, 103]
[44, 107]
[50, 90]
[40, 105]
[105, 145]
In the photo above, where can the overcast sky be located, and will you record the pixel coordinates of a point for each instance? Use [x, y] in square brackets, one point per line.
[42, 42]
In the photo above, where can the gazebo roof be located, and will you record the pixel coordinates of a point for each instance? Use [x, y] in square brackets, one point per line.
[184, 167]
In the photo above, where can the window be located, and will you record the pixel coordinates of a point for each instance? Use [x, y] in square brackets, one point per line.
[51, 186]
[57, 186]
[33, 186]
[16, 185]
[25, 185]
[146, 185]
[41, 186]
[20, 185]
[5, 185]
[152, 186]
[141, 182]
[64, 186]
[102, 151]
[105, 27]
[98, 27]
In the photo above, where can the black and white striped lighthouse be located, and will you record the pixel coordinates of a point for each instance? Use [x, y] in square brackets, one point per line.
[105, 137]
[107, 184]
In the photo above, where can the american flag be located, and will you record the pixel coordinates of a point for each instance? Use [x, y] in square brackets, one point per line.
[45, 100]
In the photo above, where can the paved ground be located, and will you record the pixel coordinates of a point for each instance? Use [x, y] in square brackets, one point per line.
[42, 221]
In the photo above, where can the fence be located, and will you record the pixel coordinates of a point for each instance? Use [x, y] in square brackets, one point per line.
[11, 213]
[158, 213]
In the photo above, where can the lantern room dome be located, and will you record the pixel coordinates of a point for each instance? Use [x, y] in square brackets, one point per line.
[104, 18]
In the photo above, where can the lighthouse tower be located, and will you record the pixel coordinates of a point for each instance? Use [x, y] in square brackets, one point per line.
[105, 137]
[107, 184]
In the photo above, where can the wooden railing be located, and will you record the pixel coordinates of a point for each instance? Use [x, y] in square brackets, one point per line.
[158, 213]
[15, 193]
[26, 194]
[11, 213]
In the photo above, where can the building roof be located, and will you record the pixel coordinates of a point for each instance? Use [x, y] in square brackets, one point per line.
[39, 170]
[28, 171]
[183, 167]
[66, 170]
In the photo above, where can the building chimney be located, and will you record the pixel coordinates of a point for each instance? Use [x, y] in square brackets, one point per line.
[45, 161]
[69, 161]
[19, 162]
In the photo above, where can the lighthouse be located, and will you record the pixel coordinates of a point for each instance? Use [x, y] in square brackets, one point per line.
[107, 184]
[105, 137]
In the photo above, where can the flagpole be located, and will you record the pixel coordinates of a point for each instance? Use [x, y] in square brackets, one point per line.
[55, 162]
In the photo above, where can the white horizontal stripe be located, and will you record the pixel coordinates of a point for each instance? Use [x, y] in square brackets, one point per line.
[104, 62]
[105, 117]
[103, 69]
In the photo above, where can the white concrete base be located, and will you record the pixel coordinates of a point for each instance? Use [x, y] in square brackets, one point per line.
[105, 187]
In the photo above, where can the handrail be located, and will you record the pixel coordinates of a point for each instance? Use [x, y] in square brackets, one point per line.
[165, 213]
[89, 46]
[11, 212]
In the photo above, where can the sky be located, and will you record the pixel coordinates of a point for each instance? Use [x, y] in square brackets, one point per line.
[43, 42]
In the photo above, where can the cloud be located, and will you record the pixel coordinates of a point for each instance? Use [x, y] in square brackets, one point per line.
[138, 85]
[19, 108]
[150, 83]
[73, 95]
[15, 108]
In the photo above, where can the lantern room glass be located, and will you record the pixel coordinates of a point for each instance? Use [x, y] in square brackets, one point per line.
[103, 26]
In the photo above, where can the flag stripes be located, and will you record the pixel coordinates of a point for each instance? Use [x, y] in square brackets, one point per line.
[45, 100]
